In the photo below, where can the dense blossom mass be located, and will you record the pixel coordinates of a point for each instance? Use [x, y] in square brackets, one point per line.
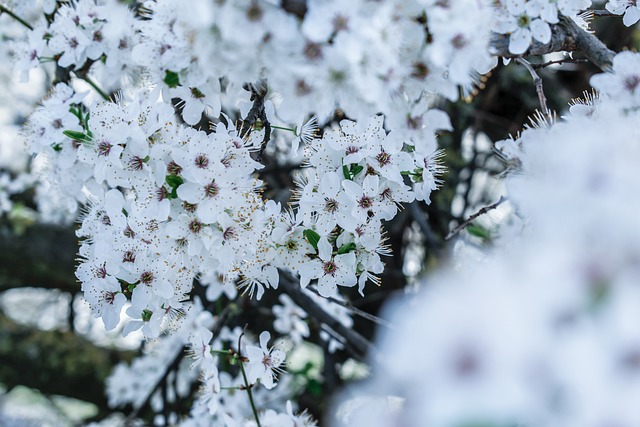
[153, 136]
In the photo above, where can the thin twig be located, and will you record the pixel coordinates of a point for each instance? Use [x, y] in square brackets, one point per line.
[246, 381]
[94, 85]
[537, 81]
[560, 61]
[603, 13]
[357, 311]
[3, 9]
[482, 211]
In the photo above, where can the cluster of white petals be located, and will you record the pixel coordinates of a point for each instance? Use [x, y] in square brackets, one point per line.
[529, 20]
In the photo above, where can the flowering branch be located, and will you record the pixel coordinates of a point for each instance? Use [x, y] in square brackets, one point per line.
[566, 36]
[469, 220]
[3, 9]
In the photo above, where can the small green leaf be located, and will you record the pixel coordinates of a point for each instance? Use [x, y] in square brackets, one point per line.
[75, 135]
[345, 172]
[476, 230]
[56, 147]
[312, 237]
[356, 169]
[174, 181]
[146, 315]
[346, 248]
[171, 79]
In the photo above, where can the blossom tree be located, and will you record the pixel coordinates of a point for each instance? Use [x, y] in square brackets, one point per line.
[246, 170]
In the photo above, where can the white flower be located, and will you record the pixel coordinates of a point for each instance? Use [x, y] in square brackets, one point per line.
[330, 270]
[264, 362]
[629, 8]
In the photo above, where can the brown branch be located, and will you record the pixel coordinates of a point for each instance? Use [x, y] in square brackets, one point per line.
[482, 211]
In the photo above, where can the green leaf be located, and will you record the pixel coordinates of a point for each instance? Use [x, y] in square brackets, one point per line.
[312, 237]
[174, 181]
[476, 230]
[345, 172]
[146, 315]
[77, 136]
[56, 147]
[356, 169]
[171, 79]
[346, 248]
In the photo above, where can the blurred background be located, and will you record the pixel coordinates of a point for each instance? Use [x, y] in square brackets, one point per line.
[55, 358]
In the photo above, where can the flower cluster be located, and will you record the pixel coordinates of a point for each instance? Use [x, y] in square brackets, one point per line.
[529, 20]
[629, 8]
[80, 34]
[364, 58]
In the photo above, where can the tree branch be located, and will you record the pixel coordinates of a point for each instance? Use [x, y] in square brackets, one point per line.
[537, 81]
[222, 319]
[566, 36]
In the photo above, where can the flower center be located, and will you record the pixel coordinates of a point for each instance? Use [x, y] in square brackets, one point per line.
[211, 190]
[330, 268]
[201, 161]
[331, 205]
[146, 277]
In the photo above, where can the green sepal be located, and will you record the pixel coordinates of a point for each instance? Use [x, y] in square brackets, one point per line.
[174, 181]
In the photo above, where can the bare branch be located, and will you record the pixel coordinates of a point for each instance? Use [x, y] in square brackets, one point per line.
[560, 61]
[357, 311]
[474, 216]
[605, 13]
[537, 81]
